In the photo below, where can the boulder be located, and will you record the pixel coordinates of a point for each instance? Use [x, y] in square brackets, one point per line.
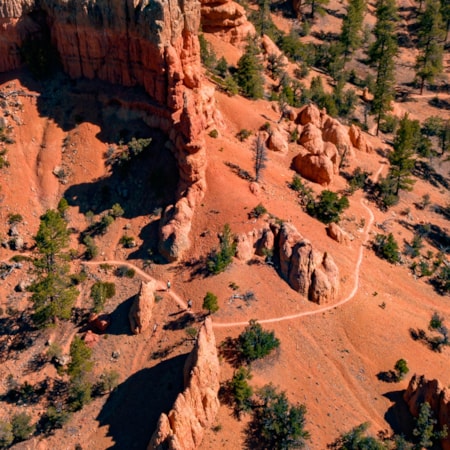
[336, 233]
[317, 168]
[244, 247]
[278, 140]
[358, 139]
[310, 114]
[311, 139]
[141, 310]
[333, 131]
[90, 338]
[99, 322]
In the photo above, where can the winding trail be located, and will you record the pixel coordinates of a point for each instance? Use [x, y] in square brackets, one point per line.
[162, 285]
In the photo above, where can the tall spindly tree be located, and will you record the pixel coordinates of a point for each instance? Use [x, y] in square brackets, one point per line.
[402, 158]
[249, 71]
[381, 55]
[53, 294]
[430, 43]
[350, 37]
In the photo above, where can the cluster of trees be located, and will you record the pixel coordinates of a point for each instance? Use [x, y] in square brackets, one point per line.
[275, 422]
[425, 433]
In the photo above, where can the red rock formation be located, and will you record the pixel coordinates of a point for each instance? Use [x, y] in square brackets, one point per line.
[421, 390]
[313, 274]
[140, 314]
[324, 143]
[226, 19]
[152, 44]
[196, 407]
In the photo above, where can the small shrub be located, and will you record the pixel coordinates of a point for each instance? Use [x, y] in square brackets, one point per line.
[124, 271]
[109, 380]
[22, 429]
[54, 418]
[117, 211]
[100, 292]
[191, 332]
[14, 219]
[214, 134]
[80, 359]
[127, 241]
[305, 193]
[386, 247]
[436, 321]
[401, 368]
[255, 342]
[210, 303]
[91, 249]
[6, 435]
[258, 211]
[243, 134]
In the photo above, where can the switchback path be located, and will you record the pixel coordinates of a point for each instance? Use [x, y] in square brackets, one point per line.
[161, 285]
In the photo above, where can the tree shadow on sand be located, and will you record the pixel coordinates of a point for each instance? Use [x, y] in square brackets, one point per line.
[132, 410]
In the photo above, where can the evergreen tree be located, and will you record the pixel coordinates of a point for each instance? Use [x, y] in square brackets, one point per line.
[317, 7]
[430, 43]
[276, 423]
[241, 390]
[53, 295]
[249, 72]
[402, 158]
[381, 55]
[425, 428]
[350, 38]
[260, 156]
[210, 303]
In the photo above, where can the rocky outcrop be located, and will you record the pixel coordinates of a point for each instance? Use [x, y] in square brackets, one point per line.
[421, 390]
[226, 19]
[278, 140]
[152, 44]
[196, 407]
[324, 143]
[307, 271]
[337, 233]
[141, 310]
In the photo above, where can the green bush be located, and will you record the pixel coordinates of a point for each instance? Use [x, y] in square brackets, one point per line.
[255, 342]
[243, 134]
[6, 435]
[109, 380]
[14, 219]
[210, 303]
[220, 259]
[54, 418]
[91, 249]
[100, 292]
[80, 394]
[80, 359]
[22, 429]
[127, 241]
[214, 134]
[116, 211]
[277, 424]
[328, 207]
[258, 211]
[241, 390]
[401, 368]
[386, 247]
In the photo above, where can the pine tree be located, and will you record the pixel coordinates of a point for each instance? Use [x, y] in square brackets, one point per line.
[317, 7]
[402, 158]
[350, 38]
[53, 294]
[381, 55]
[249, 72]
[430, 43]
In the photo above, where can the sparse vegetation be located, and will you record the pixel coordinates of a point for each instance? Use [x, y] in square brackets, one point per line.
[401, 369]
[241, 390]
[425, 430]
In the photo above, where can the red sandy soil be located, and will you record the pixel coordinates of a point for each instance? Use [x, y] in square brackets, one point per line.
[328, 359]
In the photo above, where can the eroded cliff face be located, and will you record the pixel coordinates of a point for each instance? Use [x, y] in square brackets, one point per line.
[421, 390]
[152, 44]
[196, 407]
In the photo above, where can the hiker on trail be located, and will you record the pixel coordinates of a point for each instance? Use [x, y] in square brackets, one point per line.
[168, 285]
[189, 304]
